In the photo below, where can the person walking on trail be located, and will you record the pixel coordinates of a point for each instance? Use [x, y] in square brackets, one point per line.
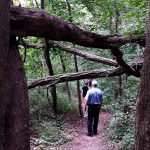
[93, 100]
[85, 88]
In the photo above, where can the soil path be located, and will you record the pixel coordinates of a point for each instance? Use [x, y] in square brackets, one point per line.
[81, 141]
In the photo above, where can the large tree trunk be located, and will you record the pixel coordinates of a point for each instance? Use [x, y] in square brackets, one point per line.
[17, 107]
[143, 100]
[42, 4]
[4, 45]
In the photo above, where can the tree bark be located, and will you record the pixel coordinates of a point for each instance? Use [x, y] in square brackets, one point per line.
[143, 101]
[50, 70]
[4, 46]
[76, 66]
[121, 88]
[17, 105]
[118, 88]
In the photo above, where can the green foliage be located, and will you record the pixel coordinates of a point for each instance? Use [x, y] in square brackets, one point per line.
[64, 106]
[50, 131]
[41, 107]
[122, 126]
[122, 131]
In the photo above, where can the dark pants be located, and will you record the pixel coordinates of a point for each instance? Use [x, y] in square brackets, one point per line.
[93, 116]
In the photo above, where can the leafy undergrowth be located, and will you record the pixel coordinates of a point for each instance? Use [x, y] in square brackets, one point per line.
[47, 131]
[51, 134]
[121, 131]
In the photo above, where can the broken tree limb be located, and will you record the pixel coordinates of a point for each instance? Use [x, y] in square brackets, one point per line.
[78, 52]
[87, 56]
[31, 22]
[119, 58]
[79, 75]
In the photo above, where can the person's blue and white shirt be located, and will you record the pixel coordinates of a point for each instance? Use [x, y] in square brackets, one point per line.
[94, 96]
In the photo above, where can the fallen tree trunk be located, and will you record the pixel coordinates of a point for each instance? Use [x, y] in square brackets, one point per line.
[76, 51]
[80, 75]
[88, 56]
[31, 22]
[72, 77]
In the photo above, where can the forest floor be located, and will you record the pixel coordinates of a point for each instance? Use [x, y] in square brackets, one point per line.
[81, 141]
[78, 140]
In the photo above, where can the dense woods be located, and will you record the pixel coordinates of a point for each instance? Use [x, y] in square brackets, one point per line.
[57, 44]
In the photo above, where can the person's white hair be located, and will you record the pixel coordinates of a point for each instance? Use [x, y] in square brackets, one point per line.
[94, 82]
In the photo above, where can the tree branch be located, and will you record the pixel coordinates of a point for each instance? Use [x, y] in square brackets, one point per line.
[119, 58]
[33, 45]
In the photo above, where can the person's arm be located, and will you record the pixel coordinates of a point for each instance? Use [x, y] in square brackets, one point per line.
[86, 99]
[82, 95]
[82, 98]
[84, 105]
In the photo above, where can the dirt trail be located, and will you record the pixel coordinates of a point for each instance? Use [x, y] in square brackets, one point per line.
[82, 142]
